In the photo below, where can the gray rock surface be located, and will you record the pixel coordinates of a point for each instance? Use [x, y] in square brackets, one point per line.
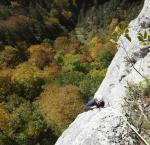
[107, 126]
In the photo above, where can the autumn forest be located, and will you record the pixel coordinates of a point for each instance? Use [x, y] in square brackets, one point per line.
[54, 54]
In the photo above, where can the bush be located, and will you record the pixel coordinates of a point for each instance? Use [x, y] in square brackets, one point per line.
[60, 105]
[26, 81]
[137, 106]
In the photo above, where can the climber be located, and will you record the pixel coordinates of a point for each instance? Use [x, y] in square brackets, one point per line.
[94, 103]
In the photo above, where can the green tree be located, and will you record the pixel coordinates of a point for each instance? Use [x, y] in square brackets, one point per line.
[67, 78]
[91, 83]
[103, 59]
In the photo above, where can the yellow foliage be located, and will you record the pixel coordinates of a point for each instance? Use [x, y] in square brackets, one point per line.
[95, 51]
[98, 73]
[95, 41]
[24, 72]
[27, 81]
[67, 14]
[96, 47]
[9, 57]
[38, 47]
[4, 119]
[60, 105]
[5, 83]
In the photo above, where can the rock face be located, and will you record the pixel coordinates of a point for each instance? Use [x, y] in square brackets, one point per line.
[107, 126]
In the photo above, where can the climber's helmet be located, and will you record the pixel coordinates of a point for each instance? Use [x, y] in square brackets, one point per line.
[99, 103]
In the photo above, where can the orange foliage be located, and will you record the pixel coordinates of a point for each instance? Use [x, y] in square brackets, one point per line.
[96, 46]
[65, 44]
[7, 72]
[40, 55]
[94, 51]
[60, 42]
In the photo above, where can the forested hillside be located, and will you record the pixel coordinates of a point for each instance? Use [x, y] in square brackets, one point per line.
[53, 56]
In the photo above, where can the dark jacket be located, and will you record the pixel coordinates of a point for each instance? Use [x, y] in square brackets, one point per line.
[91, 103]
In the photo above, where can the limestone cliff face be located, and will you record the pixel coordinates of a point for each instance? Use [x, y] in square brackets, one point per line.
[107, 126]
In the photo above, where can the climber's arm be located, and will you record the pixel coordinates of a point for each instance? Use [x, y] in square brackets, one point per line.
[93, 107]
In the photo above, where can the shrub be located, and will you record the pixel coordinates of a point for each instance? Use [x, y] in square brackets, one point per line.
[27, 81]
[60, 105]
[137, 106]
[144, 39]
